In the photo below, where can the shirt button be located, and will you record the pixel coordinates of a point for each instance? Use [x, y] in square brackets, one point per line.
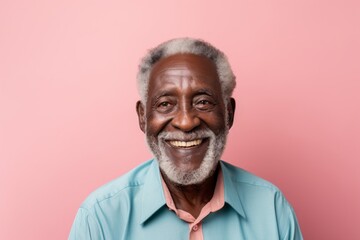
[195, 227]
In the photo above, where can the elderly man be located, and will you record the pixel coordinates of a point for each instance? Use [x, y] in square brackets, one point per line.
[186, 111]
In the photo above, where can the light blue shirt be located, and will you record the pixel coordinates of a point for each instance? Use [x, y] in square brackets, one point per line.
[133, 207]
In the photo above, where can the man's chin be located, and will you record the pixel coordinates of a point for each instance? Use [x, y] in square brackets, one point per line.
[185, 177]
[188, 176]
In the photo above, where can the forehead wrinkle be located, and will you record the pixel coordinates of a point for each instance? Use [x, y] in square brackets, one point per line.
[180, 72]
[169, 86]
[177, 69]
[174, 75]
[182, 78]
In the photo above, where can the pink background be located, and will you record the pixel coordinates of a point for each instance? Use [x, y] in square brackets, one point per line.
[68, 92]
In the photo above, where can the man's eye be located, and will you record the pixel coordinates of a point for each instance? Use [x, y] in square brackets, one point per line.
[204, 102]
[164, 106]
[204, 105]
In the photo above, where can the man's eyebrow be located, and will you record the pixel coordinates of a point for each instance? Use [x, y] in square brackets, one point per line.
[161, 93]
[205, 91]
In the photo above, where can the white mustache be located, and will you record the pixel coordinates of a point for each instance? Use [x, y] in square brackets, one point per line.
[181, 136]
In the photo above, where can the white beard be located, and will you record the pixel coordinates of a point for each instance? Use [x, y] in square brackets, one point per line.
[182, 176]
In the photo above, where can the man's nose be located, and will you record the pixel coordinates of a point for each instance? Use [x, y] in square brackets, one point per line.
[185, 120]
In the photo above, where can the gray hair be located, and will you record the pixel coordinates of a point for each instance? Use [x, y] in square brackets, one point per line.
[186, 46]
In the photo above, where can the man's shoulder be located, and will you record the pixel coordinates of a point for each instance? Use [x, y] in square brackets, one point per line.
[133, 179]
[241, 176]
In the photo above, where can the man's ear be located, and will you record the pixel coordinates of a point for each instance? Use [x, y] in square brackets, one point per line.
[231, 111]
[140, 110]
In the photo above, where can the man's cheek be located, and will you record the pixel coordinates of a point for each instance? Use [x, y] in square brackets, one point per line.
[156, 124]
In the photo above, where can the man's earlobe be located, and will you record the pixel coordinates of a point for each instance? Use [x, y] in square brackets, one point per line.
[140, 110]
[231, 111]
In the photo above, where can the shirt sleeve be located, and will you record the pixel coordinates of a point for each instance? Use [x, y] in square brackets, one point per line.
[288, 225]
[85, 227]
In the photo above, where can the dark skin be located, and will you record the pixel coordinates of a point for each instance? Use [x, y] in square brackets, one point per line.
[184, 95]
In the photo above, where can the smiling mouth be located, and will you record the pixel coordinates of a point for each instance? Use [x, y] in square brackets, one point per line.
[185, 144]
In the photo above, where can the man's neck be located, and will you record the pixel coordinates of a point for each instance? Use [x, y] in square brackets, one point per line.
[192, 198]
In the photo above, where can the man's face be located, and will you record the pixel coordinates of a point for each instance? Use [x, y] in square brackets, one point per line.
[185, 117]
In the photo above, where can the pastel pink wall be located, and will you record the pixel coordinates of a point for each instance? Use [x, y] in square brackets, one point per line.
[68, 92]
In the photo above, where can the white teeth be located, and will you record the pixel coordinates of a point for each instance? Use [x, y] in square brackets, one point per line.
[186, 144]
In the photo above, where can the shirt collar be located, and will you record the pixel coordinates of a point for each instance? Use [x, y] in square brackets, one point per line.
[231, 190]
[152, 198]
[153, 190]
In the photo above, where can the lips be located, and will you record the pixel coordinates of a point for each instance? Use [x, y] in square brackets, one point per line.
[185, 144]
